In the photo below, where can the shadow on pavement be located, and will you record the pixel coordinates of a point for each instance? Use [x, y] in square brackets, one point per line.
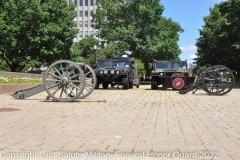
[237, 85]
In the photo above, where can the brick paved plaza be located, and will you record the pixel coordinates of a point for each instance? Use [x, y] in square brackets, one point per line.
[132, 123]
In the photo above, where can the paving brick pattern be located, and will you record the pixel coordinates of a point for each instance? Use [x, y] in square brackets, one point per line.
[132, 123]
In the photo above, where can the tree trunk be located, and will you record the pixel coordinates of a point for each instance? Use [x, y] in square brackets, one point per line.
[13, 67]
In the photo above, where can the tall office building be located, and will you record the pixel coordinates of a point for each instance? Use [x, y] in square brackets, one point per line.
[84, 10]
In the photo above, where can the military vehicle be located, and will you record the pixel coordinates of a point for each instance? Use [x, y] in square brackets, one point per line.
[170, 74]
[116, 71]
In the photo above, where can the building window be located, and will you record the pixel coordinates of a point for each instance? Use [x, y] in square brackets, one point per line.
[86, 13]
[91, 12]
[80, 13]
[86, 23]
[70, 1]
[91, 1]
[80, 2]
[86, 2]
[75, 36]
[75, 2]
[80, 34]
[96, 33]
[91, 33]
[80, 23]
[86, 33]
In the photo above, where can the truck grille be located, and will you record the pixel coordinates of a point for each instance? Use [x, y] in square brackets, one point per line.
[168, 73]
[109, 78]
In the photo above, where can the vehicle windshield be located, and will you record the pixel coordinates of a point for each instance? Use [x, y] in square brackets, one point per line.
[178, 65]
[160, 65]
[171, 65]
[110, 64]
[121, 64]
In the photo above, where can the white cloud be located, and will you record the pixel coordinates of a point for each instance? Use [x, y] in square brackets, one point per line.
[192, 56]
[188, 48]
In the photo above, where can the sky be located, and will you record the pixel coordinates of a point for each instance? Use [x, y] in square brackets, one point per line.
[189, 14]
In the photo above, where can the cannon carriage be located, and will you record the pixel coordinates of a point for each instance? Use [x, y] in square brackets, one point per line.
[215, 80]
[64, 81]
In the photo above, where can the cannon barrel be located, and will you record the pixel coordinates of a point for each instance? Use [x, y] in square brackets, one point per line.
[22, 94]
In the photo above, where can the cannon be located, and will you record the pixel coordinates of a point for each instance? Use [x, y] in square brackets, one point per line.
[215, 80]
[64, 81]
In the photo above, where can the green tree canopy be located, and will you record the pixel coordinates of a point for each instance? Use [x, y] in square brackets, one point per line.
[1, 19]
[138, 26]
[110, 50]
[86, 46]
[84, 50]
[35, 32]
[141, 68]
[219, 41]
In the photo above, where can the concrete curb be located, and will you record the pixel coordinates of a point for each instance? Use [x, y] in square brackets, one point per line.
[12, 88]
[20, 75]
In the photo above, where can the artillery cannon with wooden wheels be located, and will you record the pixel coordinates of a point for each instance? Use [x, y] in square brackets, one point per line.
[64, 81]
[215, 80]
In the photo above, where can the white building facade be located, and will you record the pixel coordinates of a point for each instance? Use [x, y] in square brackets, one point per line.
[84, 10]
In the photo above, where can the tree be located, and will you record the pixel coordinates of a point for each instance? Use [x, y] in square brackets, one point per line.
[4, 66]
[84, 50]
[157, 36]
[138, 26]
[2, 22]
[36, 32]
[219, 41]
[91, 57]
[141, 68]
[109, 20]
[85, 46]
[110, 50]
[76, 53]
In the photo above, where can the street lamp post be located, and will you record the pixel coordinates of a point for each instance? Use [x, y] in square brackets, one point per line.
[95, 49]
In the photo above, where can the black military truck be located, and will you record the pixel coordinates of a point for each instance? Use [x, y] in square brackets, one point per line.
[170, 74]
[117, 71]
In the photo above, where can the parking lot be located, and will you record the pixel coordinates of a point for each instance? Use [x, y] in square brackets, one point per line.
[137, 123]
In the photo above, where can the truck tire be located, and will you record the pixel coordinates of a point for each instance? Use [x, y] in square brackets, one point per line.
[154, 83]
[112, 85]
[130, 84]
[125, 84]
[105, 85]
[97, 84]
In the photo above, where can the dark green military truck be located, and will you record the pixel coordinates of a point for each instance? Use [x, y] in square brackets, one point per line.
[117, 71]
